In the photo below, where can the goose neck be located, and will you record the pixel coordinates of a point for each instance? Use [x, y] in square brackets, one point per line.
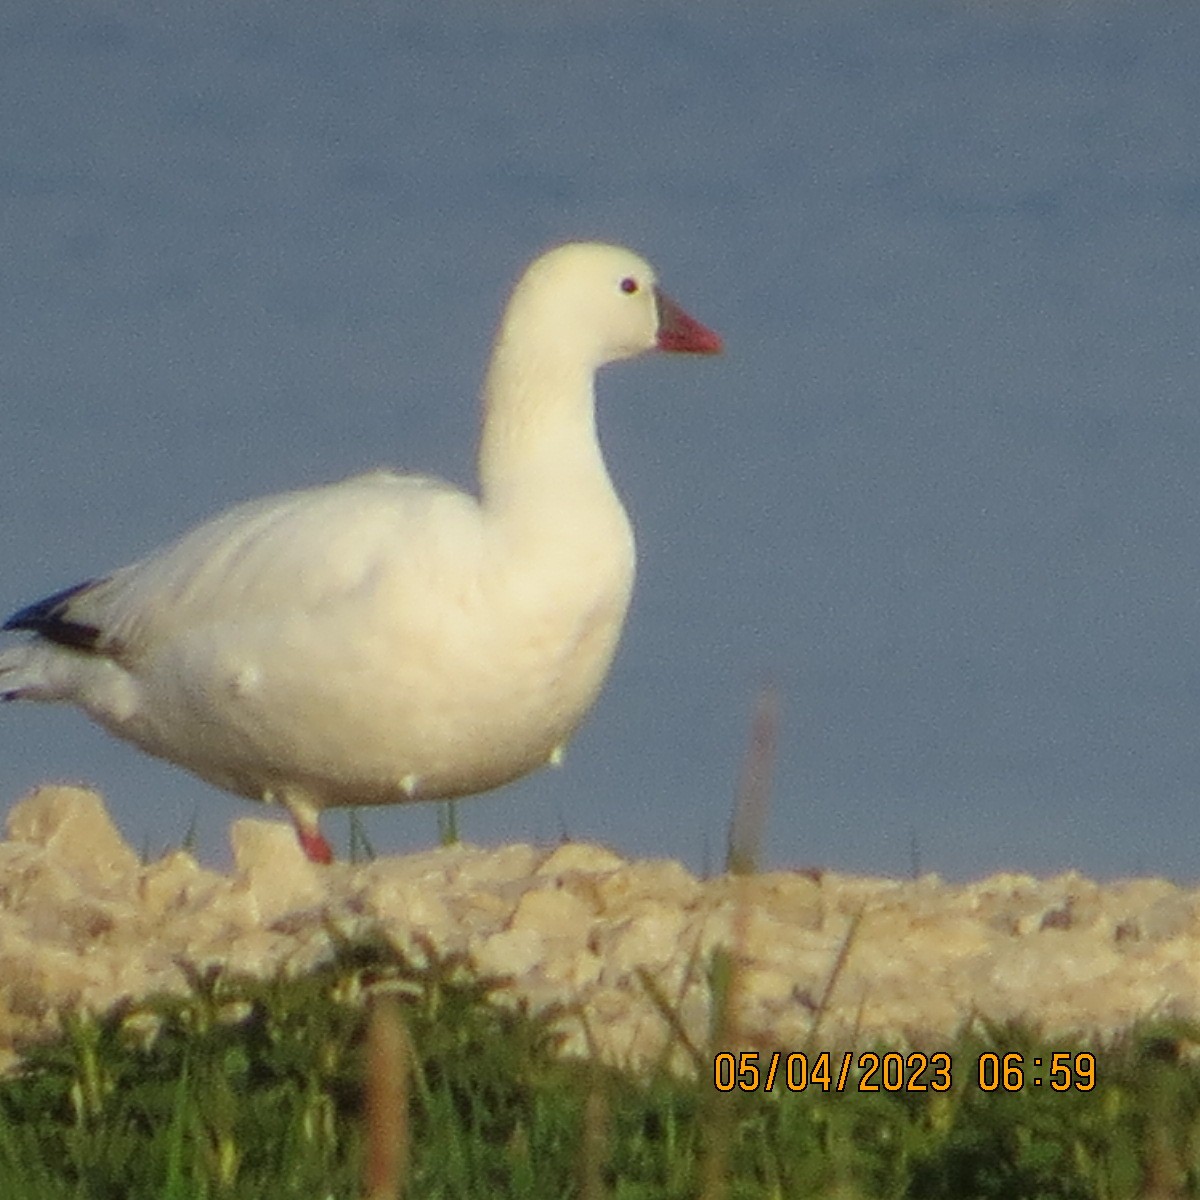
[539, 432]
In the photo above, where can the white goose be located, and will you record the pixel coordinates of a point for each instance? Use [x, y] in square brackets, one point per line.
[388, 638]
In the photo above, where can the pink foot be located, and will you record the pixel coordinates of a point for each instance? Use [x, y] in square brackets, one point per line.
[316, 848]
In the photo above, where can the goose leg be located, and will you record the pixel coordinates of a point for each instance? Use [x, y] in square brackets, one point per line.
[305, 816]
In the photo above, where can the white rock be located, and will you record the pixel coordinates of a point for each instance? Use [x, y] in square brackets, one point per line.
[509, 954]
[73, 826]
[579, 856]
[274, 872]
[555, 913]
[607, 941]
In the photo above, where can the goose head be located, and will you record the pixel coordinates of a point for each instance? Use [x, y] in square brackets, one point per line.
[598, 304]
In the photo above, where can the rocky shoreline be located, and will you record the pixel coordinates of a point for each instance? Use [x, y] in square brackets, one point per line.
[826, 961]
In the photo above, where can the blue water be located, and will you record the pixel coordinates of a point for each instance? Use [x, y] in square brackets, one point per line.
[943, 488]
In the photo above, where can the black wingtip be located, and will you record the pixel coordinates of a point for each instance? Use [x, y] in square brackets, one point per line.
[48, 619]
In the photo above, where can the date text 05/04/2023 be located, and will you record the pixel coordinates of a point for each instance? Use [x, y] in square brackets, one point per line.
[831, 1071]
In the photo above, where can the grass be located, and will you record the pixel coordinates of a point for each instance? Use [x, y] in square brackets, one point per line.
[252, 1089]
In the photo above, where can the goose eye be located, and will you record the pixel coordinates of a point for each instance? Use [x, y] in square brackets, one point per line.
[629, 285]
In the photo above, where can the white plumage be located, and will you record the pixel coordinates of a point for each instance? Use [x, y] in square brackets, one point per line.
[387, 638]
